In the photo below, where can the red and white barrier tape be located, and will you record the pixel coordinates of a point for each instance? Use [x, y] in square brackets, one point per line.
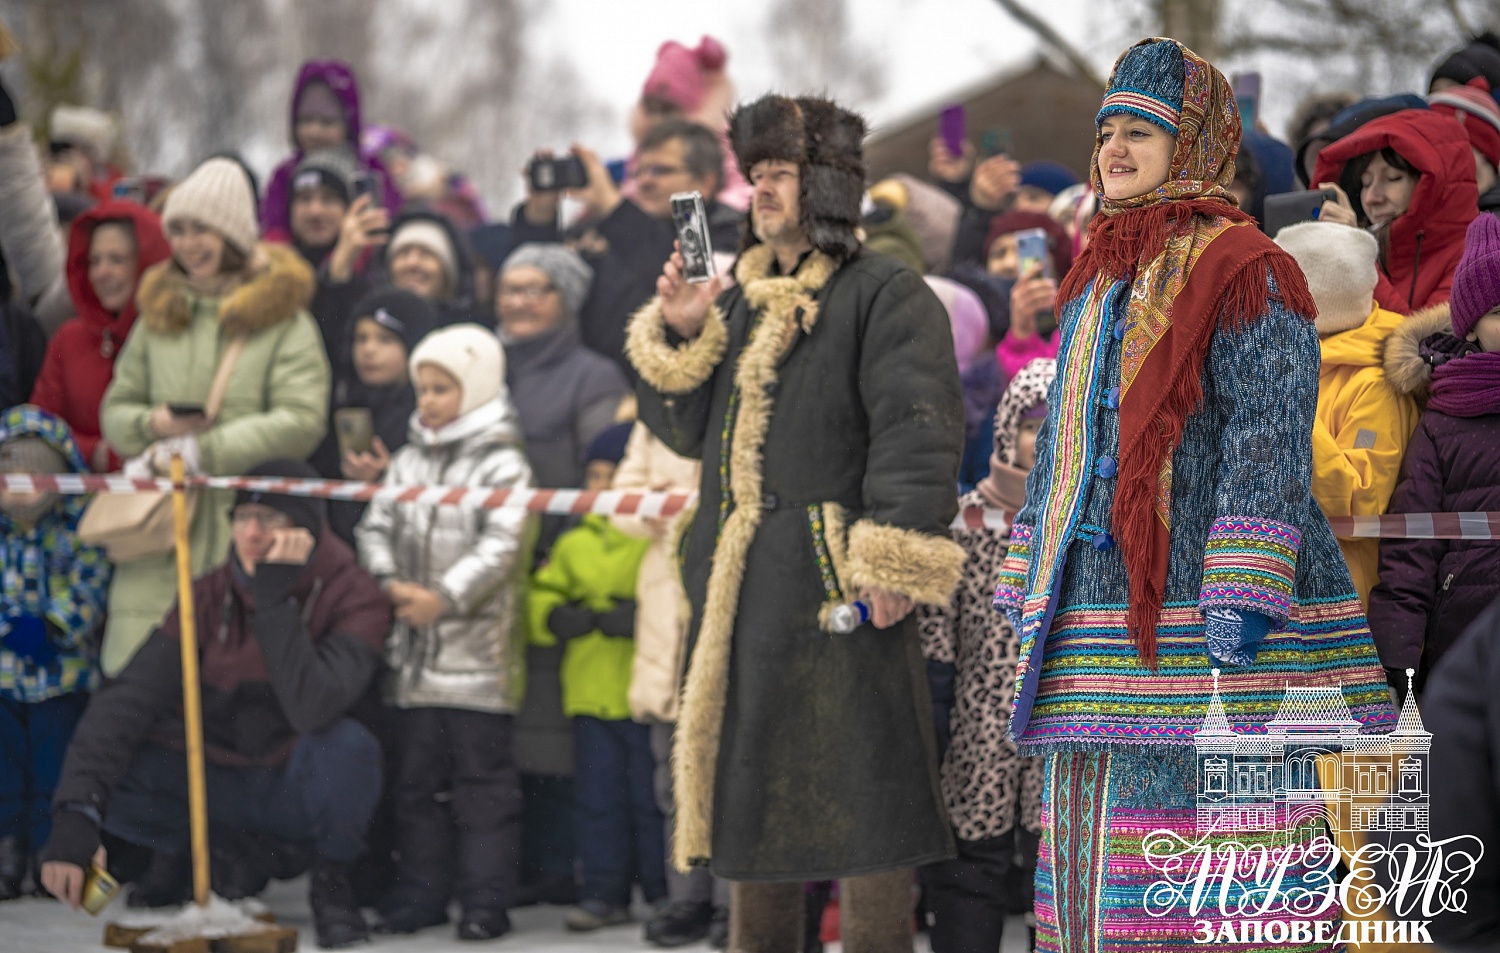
[1472, 526]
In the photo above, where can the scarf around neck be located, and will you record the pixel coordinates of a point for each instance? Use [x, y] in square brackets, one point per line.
[1468, 386]
[1194, 263]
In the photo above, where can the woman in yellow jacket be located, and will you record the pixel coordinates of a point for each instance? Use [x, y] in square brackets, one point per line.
[1363, 423]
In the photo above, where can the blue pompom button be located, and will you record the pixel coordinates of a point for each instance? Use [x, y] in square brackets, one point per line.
[1107, 467]
[1103, 542]
[1120, 330]
[1112, 399]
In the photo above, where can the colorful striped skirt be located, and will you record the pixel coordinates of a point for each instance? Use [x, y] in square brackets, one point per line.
[1106, 881]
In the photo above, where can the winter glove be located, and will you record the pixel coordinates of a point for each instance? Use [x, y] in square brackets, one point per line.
[940, 679]
[619, 621]
[75, 838]
[27, 637]
[571, 620]
[272, 583]
[1234, 635]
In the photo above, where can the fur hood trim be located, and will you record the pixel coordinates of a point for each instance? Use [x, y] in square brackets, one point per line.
[1404, 368]
[278, 286]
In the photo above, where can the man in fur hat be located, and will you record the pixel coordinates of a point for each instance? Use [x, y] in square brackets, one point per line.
[823, 397]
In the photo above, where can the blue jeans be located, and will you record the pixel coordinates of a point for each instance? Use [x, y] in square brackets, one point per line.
[34, 738]
[325, 793]
[617, 825]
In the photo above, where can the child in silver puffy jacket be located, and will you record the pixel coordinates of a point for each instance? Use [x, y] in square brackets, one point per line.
[456, 654]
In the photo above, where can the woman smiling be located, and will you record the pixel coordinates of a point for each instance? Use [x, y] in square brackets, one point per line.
[1169, 568]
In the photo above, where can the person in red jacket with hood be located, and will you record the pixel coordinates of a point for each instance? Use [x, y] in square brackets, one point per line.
[109, 247]
[1410, 177]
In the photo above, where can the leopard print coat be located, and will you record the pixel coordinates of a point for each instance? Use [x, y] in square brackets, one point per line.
[987, 786]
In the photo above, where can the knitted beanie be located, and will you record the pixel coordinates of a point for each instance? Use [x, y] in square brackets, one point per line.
[1050, 177]
[569, 273]
[1476, 282]
[681, 75]
[1148, 82]
[471, 355]
[1474, 107]
[427, 234]
[1339, 263]
[1481, 57]
[334, 168]
[307, 512]
[1057, 237]
[217, 194]
[405, 314]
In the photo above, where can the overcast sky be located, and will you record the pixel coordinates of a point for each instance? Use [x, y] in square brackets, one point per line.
[927, 49]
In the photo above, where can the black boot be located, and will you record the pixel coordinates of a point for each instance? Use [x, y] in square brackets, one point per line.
[483, 924]
[167, 882]
[336, 916]
[680, 923]
[12, 867]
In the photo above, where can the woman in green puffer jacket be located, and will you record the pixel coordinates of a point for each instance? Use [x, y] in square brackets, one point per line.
[219, 285]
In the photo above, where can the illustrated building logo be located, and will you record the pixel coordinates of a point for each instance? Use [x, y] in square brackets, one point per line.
[1312, 766]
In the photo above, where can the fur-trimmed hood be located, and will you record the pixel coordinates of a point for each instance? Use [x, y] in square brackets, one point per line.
[280, 284]
[826, 141]
[1405, 369]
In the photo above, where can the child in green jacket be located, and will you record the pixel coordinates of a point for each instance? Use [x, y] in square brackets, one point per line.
[585, 597]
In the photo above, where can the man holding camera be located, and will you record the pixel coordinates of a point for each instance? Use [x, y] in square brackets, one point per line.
[627, 239]
[823, 397]
[290, 636]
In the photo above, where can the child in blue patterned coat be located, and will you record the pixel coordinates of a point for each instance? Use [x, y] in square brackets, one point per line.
[1169, 538]
[52, 597]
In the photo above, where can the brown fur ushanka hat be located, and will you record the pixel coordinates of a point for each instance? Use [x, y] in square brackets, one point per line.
[826, 142]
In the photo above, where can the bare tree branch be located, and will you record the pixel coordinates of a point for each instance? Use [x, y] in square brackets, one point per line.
[1051, 38]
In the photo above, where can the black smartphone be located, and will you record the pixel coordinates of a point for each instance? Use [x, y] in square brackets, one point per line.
[690, 216]
[552, 175]
[1289, 208]
[365, 183]
[186, 410]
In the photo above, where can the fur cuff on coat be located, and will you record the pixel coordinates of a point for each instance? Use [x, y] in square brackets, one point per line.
[921, 567]
[668, 369]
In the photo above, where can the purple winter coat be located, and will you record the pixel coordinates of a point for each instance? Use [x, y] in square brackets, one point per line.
[1430, 590]
[275, 208]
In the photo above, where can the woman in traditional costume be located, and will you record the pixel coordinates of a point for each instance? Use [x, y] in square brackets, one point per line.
[1170, 569]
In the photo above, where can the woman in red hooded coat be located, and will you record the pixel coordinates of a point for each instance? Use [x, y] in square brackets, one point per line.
[1410, 176]
[109, 247]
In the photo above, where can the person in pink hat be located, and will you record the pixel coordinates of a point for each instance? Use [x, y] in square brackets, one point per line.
[690, 83]
[1479, 114]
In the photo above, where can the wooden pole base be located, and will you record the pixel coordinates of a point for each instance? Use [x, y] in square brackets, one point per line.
[278, 939]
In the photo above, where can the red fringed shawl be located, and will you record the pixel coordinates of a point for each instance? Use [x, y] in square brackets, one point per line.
[1229, 285]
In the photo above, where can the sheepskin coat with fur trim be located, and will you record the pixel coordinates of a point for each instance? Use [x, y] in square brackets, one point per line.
[275, 406]
[827, 411]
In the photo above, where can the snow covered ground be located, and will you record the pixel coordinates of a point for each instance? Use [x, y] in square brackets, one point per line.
[43, 926]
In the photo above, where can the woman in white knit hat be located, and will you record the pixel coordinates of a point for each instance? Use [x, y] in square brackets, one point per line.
[221, 285]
